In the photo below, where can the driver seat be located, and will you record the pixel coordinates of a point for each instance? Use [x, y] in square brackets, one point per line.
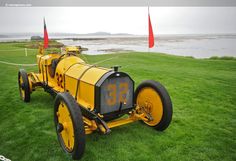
[54, 66]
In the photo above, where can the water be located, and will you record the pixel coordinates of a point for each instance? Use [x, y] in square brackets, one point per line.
[203, 46]
[198, 46]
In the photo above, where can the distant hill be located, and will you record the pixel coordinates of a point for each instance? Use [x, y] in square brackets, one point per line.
[61, 34]
[122, 34]
[97, 33]
[105, 33]
[3, 36]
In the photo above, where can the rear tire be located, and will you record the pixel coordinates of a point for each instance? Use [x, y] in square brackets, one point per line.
[69, 125]
[155, 100]
[24, 87]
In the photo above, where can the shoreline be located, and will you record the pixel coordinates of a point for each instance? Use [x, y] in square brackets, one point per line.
[197, 46]
[19, 37]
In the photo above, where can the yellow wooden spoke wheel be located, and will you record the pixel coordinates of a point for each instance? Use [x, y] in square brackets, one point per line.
[23, 83]
[69, 125]
[153, 100]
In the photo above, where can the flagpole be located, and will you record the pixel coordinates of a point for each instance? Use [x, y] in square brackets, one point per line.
[148, 31]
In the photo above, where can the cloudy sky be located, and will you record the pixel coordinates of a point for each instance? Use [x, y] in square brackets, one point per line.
[133, 20]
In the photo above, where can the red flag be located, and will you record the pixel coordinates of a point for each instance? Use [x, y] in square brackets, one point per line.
[151, 36]
[45, 35]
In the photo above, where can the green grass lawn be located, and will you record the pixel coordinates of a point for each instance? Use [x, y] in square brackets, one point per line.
[203, 93]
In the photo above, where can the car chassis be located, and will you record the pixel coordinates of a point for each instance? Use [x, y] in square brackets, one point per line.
[91, 98]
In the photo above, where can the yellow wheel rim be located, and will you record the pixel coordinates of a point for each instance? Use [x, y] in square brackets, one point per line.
[151, 101]
[22, 91]
[67, 134]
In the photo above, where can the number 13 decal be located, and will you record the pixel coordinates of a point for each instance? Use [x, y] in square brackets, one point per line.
[112, 93]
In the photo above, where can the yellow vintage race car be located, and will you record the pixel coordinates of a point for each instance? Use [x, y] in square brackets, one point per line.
[90, 98]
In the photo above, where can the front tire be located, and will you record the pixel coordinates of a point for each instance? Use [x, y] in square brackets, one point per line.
[69, 125]
[153, 100]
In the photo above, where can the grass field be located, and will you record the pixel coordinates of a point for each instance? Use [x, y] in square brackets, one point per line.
[203, 93]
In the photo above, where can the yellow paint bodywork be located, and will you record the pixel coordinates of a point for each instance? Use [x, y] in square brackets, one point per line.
[72, 48]
[73, 74]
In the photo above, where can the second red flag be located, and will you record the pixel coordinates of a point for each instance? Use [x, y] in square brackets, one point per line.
[151, 36]
[45, 35]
